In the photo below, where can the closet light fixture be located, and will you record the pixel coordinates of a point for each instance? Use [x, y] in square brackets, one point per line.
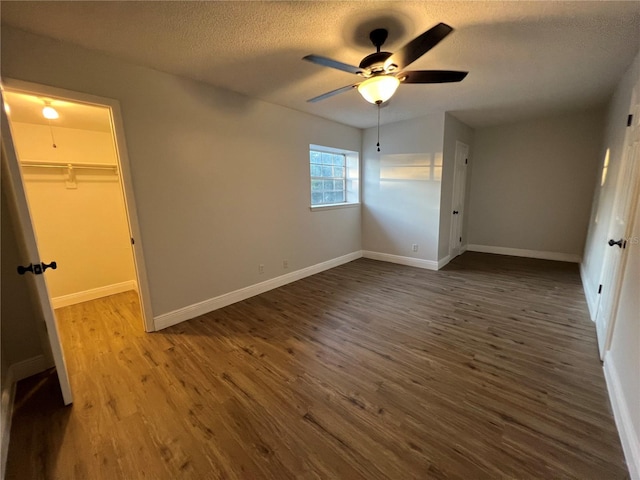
[50, 113]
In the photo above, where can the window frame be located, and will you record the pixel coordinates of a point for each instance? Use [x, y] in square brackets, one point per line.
[351, 178]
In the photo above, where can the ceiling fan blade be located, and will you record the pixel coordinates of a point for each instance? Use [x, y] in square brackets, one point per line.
[332, 93]
[418, 46]
[432, 76]
[328, 62]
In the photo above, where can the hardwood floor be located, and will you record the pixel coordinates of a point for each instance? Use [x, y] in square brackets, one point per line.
[486, 369]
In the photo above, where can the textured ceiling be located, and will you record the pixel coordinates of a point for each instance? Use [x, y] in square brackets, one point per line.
[524, 58]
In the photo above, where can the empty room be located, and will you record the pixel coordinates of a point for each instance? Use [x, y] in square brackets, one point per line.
[329, 240]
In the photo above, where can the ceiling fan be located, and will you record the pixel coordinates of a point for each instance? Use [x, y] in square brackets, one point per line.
[384, 71]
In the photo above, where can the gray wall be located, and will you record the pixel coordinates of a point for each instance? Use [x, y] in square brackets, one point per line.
[401, 188]
[221, 180]
[532, 183]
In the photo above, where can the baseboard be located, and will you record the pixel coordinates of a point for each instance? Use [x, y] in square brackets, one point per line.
[92, 294]
[628, 436]
[177, 316]
[30, 366]
[589, 294]
[443, 261]
[8, 396]
[410, 261]
[518, 252]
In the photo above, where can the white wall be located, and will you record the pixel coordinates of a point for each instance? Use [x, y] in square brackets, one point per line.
[84, 229]
[221, 180]
[401, 191]
[454, 130]
[72, 145]
[532, 184]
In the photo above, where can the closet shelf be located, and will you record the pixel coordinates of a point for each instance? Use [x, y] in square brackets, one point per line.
[70, 165]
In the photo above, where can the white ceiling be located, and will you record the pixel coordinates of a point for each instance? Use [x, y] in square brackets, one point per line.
[524, 58]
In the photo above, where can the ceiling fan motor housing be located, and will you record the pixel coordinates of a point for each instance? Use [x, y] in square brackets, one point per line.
[375, 62]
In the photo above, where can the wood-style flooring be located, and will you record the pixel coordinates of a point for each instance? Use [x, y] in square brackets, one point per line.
[486, 369]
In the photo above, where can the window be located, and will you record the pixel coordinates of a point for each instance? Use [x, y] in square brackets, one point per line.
[334, 176]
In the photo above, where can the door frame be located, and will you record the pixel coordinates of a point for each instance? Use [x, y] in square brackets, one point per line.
[122, 157]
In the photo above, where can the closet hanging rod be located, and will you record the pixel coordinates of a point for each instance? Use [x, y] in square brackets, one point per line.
[91, 166]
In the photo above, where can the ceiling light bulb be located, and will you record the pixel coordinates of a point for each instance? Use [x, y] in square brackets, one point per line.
[50, 113]
[378, 89]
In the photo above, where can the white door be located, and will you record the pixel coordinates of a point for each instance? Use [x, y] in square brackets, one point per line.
[12, 179]
[625, 200]
[457, 203]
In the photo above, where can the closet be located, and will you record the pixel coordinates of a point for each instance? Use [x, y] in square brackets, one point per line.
[70, 173]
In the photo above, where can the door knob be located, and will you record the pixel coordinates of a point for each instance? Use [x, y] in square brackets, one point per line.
[37, 269]
[619, 243]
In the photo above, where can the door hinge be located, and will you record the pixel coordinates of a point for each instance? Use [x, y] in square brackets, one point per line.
[133, 242]
[599, 289]
[460, 238]
[466, 160]
[629, 120]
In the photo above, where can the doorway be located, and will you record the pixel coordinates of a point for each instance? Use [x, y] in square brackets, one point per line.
[457, 201]
[74, 198]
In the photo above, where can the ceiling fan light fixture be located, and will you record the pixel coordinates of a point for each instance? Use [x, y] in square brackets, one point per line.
[378, 89]
[50, 113]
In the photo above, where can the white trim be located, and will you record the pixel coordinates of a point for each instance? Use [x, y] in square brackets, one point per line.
[29, 367]
[519, 252]
[92, 294]
[331, 206]
[443, 261]
[589, 294]
[628, 436]
[191, 311]
[8, 396]
[410, 261]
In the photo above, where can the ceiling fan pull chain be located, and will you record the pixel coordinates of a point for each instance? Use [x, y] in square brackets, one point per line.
[378, 144]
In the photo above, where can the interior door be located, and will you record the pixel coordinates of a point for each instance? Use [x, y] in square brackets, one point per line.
[12, 180]
[625, 200]
[457, 203]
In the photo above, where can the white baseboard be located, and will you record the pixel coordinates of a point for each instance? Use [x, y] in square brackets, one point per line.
[177, 316]
[92, 294]
[589, 294]
[410, 261]
[628, 436]
[30, 366]
[518, 252]
[443, 261]
[8, 396]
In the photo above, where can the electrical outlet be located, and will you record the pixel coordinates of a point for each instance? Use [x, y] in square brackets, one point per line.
[261, 268]
[414, 247]
[285, 263]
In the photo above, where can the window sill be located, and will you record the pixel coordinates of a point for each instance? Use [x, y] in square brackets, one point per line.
[334, 206]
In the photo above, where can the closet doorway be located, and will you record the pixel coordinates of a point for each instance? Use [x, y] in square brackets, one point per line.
[75, 173]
